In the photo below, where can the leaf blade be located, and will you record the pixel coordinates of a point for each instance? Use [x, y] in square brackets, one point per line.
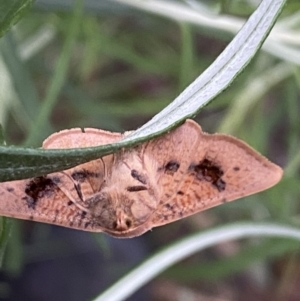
[11, 12]
[16, 163]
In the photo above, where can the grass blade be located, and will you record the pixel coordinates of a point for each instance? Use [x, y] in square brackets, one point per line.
[159, 262]
[18, 163]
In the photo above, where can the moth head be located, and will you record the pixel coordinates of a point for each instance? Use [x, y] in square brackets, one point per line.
[121, 214]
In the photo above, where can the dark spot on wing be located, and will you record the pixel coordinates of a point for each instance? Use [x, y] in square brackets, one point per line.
[55, 180]
[30, 202]
[10, 189]
[220, 184]
[172, 210]
[210, 172]
[38, 188]
[70, 203]
[136, 175]
[82, 175]
[236, 168]
[81, 217]
[171, 167]
[79, 176]
[180, 192]
[136, 188]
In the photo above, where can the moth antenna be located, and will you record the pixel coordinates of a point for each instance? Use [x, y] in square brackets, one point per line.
[125, 163]
[104, 167]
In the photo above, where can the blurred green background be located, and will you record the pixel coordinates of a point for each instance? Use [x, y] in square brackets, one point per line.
[112, 66]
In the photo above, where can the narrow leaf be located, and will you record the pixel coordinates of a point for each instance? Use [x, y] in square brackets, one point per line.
[5, 229]
[23, 163]
[159, 262]
[11, 12]
[2, 138]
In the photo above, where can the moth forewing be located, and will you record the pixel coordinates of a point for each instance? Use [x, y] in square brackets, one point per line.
[244, 169]
[221, 169]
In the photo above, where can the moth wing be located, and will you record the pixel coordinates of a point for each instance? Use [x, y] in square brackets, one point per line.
[90, 175]
[170, 154]
[50, 199]
[219, 169]
[43, 201]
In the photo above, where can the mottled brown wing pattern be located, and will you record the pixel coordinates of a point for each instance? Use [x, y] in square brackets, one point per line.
[221, 169]
[40, 199]
[60, 198]
[172, 153]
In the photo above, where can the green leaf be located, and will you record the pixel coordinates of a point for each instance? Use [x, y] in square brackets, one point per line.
[223, 267]
[2, 138]
[11, 12]
[5, 228]
[167, 257]
[22, 163]
[215, 79]
[21, 79]
[16, 163]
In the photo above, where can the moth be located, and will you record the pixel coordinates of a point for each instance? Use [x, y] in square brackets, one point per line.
[128, 193]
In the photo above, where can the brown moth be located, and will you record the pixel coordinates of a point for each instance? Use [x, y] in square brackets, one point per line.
[130, 192]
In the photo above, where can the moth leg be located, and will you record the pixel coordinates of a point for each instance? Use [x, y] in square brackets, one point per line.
[69, 194]
[83, 181]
